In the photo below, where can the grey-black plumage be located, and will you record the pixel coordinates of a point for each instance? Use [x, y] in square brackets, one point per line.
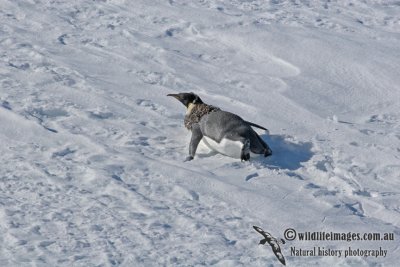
[220, 128]
[273, 242]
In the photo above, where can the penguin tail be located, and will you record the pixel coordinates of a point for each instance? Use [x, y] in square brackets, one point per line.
[256, 125]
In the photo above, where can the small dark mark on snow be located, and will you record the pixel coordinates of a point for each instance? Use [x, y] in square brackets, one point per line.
[63, 152]
[312, 186]
[250, 176]
[116, 177]
[50, 129]
[5, 105]
[62, 38]
[23, 66]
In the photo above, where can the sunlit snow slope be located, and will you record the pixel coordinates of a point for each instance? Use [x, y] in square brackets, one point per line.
[92, 149]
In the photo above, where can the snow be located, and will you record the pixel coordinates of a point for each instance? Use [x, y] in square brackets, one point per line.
[92, 149]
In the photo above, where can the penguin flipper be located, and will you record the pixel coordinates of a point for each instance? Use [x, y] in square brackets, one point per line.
[197, 135]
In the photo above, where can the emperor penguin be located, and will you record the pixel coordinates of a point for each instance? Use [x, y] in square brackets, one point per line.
[220, 130]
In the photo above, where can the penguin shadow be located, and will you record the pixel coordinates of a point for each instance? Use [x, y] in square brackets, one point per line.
[285, 154]
[203, 151]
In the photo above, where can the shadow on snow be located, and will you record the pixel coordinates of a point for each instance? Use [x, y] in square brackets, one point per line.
[285, 154]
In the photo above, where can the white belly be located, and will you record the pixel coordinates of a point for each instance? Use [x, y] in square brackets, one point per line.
[227, 147]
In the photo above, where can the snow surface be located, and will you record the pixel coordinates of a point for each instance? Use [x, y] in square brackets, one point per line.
[92, 149]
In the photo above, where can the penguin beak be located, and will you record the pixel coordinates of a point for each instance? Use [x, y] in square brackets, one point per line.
[177, 96]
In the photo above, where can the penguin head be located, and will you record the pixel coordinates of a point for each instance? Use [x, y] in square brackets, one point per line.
[187, 98]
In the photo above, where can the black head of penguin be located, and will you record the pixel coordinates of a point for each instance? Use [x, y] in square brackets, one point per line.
[187, 98]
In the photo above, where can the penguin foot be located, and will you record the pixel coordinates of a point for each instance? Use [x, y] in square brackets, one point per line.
[245, 155]
[188, 158]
